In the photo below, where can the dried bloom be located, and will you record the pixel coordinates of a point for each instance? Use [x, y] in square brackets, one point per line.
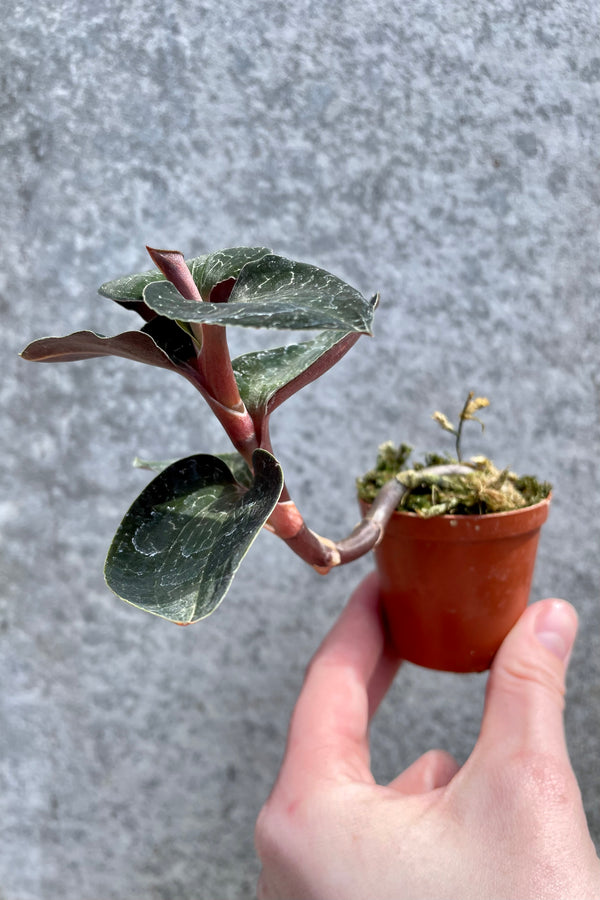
[473, 404]
[443, 420]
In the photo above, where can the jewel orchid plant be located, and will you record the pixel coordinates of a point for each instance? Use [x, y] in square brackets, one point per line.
[180, 544]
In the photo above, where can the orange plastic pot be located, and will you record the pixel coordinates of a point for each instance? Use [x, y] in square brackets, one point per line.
[452, 587]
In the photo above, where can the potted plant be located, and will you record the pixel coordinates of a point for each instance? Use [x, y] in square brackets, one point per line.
[178, 547]
[457, 557]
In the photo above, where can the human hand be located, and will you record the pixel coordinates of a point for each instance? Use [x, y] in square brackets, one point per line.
[508, 824]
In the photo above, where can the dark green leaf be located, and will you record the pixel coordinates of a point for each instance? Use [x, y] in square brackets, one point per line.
[269, 377]
[274, 292]
[207, 271]
[223, 265]
[234, 462]
[173, 339]
[130, 288]
[238, 467]
[182, 541]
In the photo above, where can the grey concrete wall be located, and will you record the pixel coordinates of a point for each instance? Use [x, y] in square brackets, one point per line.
[445, 154]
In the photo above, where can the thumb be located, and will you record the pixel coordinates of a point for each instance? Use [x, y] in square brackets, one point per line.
[525, 692]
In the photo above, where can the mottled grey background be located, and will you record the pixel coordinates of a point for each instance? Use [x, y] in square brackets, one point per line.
[445, 154]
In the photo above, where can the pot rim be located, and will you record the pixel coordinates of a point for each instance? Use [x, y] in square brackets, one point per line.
[477, 527]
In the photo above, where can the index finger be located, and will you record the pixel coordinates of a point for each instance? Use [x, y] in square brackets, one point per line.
[328, 736]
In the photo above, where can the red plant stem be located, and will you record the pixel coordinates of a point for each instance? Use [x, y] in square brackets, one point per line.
[238, 426]
[172, 264]
[261, 421]
[215, 362]
[323, 554]
[285, 520]
[216, 368]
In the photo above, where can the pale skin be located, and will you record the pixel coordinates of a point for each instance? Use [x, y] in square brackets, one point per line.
[507, 825]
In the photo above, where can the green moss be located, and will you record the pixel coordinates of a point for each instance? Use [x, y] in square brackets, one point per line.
[390, 460]
[532, 490]
[485, 489]
[434, 459]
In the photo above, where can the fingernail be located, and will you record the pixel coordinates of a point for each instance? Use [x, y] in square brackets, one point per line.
[556, 627]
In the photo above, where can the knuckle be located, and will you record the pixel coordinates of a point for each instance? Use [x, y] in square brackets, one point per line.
[327, 660]
[265, 834]
[292, 820]
[545, 780]
[533, 792]
[529, 672]
[285, 835]
[279, 826]
[316, 665]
